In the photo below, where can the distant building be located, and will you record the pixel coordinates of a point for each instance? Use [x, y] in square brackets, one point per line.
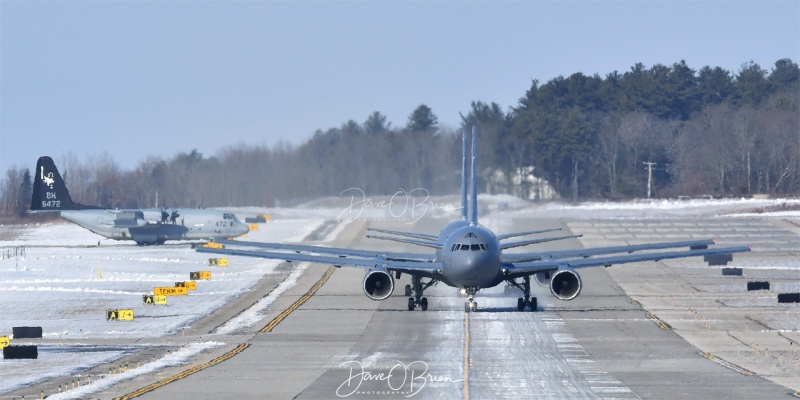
[523, 184]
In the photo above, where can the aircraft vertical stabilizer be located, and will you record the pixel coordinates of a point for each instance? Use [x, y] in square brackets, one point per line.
[49, 191]
[473, 216]
[464, 205]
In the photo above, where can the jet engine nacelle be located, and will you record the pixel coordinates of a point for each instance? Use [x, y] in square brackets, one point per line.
[565, 284]
[378, 283]
[543, 278]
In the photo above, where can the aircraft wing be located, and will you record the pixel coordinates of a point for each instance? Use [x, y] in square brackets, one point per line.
[596, 251]
[514, 270]
[341, 252]
[415, 235]
[426, 269]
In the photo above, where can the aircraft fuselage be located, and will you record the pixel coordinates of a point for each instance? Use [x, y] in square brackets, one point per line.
[148, 226]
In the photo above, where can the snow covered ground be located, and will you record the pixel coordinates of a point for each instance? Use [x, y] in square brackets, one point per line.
[66, 281]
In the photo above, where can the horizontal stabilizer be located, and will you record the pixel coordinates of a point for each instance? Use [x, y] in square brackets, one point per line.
[434, 245]
[515, 234]
[422, 236]
[504, 246]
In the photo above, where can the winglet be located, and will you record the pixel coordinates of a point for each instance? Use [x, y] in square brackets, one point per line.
[473, 216]
[464, 205]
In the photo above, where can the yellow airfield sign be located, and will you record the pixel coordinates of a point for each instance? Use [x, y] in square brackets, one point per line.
[153, 299]
[190, 285]
[253, 227]
[220, 262]
[4, 341]
[170, 291]
[212, 245]
[119, 315]
[200, 275]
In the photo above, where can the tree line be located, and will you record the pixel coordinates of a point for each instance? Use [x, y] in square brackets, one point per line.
[706, 132]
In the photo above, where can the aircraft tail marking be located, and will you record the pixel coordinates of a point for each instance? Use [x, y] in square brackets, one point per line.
[49, 191]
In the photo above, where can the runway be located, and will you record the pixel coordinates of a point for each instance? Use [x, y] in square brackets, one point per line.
[341, 344]
[676, 329]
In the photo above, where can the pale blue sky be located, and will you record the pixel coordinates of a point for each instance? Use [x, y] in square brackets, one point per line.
[156, 78]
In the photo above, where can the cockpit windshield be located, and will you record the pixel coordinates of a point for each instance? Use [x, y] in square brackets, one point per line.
[470, 247]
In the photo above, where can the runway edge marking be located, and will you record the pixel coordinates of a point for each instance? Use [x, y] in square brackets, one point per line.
[466, 356]
[277, 320]
[727, 364]
[186, 373]
[661, 324]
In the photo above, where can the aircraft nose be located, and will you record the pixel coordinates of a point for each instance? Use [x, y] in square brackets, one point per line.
[242, 229]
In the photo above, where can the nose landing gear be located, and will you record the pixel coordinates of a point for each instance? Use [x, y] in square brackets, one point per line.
[471, 305]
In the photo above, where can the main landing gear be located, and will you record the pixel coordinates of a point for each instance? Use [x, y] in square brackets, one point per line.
[471, 305]
[526, 301]
[416, 288]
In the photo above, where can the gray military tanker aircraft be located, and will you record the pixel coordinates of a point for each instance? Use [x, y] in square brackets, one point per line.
[472, 259]
[144, 226]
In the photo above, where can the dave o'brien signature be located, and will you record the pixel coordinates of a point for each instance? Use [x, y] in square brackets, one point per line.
[396, 378]
[416, 201]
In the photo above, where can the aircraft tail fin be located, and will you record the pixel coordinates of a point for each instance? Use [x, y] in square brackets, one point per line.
[464, 205]
[473, 216]
[49, 191]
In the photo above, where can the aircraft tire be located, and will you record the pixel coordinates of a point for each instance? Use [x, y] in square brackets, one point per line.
[520, 304]
[410, 304]
[423, 304]
[533, 304]
[408, 290]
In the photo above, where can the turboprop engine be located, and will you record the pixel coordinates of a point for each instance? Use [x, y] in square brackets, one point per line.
[565, 284]
[378, 283]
